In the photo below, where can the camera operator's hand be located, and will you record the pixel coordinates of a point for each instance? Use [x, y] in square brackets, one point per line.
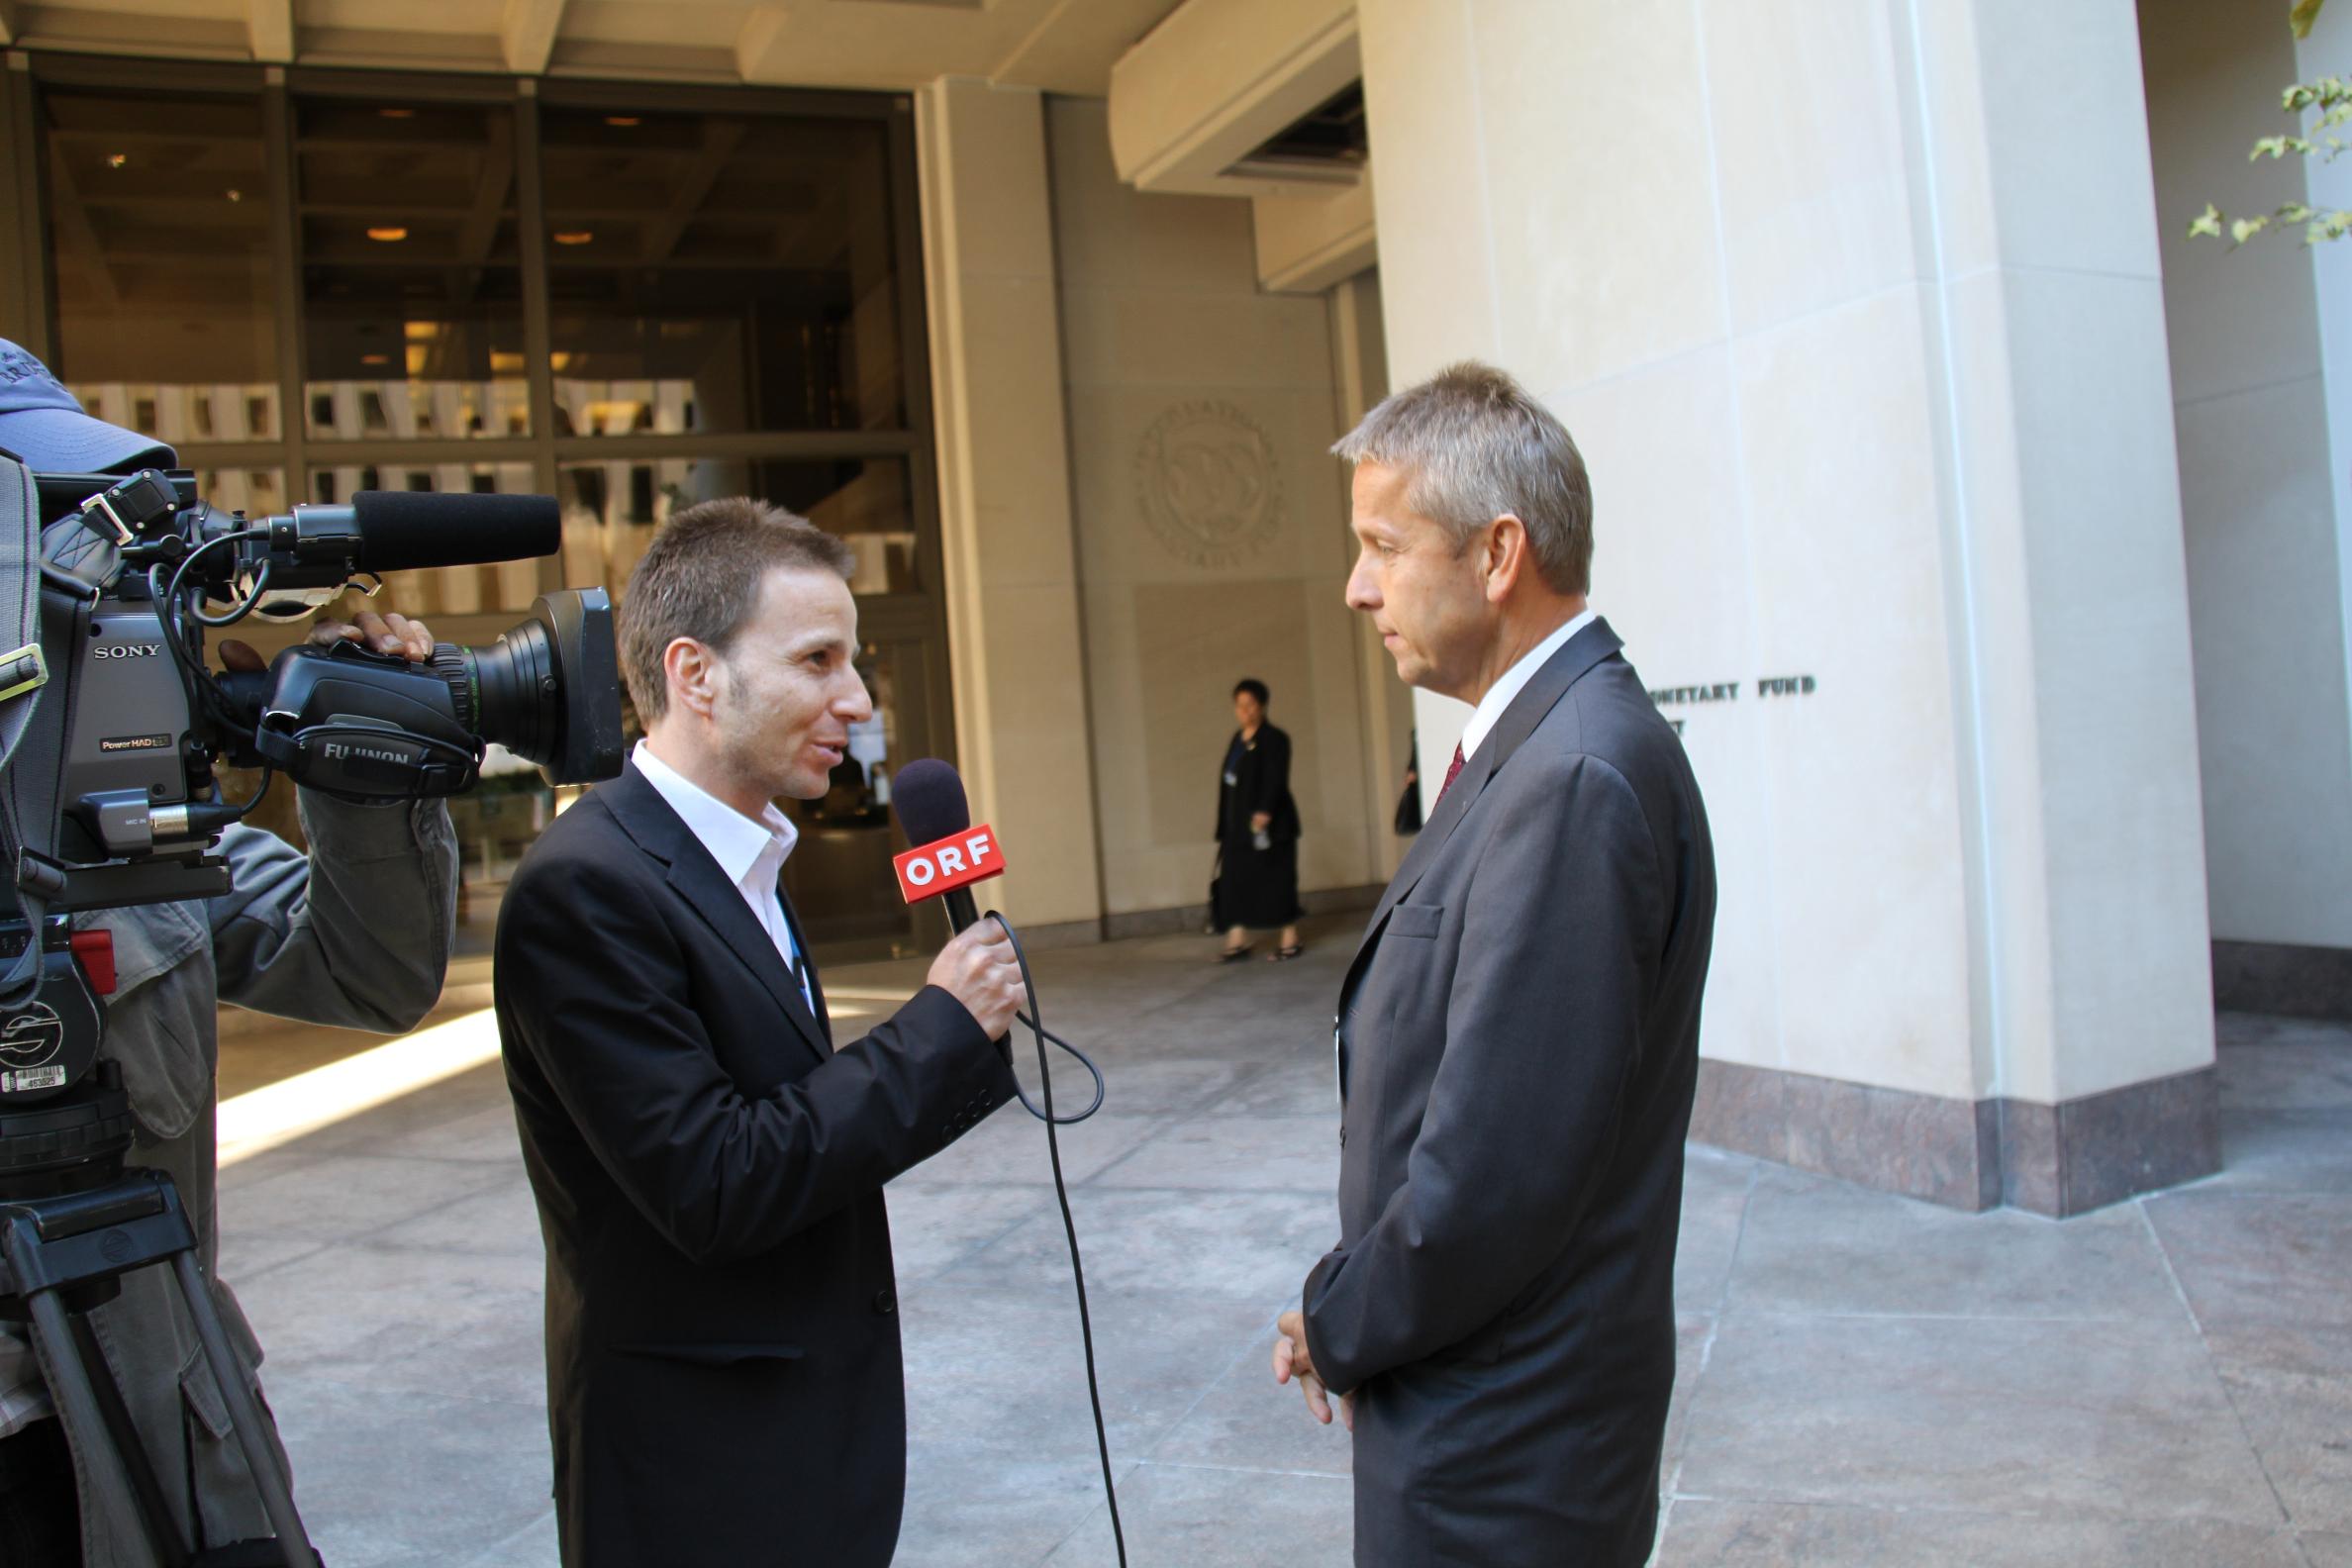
[384, 633]
[979, 971]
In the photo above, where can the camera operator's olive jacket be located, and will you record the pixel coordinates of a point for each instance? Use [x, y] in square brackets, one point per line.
[356, 935]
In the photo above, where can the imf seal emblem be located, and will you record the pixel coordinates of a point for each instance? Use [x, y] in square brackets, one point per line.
[1206, 477]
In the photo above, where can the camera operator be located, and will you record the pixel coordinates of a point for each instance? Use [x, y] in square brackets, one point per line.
[356, 933]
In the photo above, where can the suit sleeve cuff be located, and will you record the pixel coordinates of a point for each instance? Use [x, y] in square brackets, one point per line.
[937, 1014]
[1337, 1378]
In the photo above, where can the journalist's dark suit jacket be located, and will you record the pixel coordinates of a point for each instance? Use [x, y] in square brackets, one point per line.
[1518, 1041]
[724, 1381]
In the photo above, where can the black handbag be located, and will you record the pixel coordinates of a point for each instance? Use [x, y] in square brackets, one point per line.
[1408, 810]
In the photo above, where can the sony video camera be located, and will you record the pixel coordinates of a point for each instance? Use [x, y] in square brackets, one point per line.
[113, 786]
[148, 720]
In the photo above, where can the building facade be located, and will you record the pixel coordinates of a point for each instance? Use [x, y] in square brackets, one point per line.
[1986, 537]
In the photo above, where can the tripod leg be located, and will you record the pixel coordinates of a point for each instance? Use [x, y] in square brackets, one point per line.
[245, 1417]
[162, 1528]
[110, 1474]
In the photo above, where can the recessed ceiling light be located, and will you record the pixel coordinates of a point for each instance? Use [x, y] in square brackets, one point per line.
[375, 360]
[116, 159]
[398, 114]
[234, 195]
[574, 237]
[388, 235]
[624, 122]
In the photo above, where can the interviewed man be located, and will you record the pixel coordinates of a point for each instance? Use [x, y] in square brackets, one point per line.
[1517, 1037]
[724, 1376]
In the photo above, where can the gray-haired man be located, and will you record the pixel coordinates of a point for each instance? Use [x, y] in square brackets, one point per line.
[1519, 1034]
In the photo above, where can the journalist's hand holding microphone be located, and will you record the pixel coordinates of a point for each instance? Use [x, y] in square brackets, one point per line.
[979, 970]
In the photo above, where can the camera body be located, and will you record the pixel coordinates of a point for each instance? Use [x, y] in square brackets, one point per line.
[147, 722]
[113, 786]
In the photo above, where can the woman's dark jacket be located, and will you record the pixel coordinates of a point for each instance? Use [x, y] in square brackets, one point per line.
[1260, 768]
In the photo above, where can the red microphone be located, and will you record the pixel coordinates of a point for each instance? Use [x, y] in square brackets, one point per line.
[949, 853]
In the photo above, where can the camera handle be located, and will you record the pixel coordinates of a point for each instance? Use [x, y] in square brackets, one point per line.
[51, 1245]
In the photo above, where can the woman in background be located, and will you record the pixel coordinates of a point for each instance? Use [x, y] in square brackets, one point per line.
[1257, 833]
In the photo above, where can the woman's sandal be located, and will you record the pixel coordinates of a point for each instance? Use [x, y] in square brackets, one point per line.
[1235, 954]
[1285, 955]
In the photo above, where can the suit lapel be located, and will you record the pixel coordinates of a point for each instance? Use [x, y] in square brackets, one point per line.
[660, 830]
[1537, 699]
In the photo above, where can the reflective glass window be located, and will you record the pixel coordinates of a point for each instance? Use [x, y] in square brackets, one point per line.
[256, 492]
[720, 274]
[412, 292]
[611, 507]
[158, 239]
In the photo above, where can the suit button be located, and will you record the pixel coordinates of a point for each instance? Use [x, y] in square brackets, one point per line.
[1343, 1137]
[885, 1303]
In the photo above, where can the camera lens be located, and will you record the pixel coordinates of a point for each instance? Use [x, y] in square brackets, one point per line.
[510, 691]
[548, 689]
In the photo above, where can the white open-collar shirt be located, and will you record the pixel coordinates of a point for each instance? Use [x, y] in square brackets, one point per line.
[1514, 680]
[750, 853]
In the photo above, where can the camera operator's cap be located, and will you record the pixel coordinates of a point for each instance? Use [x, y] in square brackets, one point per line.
[47, 427]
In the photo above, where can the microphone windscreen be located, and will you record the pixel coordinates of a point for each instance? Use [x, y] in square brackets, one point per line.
[403, 530]
[929, 796]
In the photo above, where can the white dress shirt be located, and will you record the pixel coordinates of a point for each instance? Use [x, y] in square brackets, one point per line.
[1514, 680]
[752, 853]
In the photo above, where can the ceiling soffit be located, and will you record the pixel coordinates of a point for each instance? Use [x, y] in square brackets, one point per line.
[1056, 45]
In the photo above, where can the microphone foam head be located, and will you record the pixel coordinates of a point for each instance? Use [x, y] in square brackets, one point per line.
[929, 796]
[403, 529]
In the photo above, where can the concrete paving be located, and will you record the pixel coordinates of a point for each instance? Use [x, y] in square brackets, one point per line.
[1864, 1380]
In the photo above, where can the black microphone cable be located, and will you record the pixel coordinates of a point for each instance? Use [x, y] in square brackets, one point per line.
[1043, 1035]
[1034, 1018]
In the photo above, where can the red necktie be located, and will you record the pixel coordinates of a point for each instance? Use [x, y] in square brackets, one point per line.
[1451, 773]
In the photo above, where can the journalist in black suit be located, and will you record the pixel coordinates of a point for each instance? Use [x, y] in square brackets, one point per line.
[724, 1376]
[1517, 1037]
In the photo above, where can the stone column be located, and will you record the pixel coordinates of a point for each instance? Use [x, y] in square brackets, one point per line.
[1004, 492]
[1855, 311]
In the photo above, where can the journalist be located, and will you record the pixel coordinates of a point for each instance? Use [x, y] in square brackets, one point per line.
[356, 933]
[724, 1376]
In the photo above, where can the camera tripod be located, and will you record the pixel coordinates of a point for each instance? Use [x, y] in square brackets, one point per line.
[74, 1220]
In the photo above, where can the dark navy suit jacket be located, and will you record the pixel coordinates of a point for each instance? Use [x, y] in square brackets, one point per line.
[1518, 1042]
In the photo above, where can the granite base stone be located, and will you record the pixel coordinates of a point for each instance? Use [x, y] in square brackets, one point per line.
[2283, 980]
[2057, 1160]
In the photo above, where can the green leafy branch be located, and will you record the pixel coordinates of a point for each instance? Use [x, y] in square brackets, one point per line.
[2330, 98]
